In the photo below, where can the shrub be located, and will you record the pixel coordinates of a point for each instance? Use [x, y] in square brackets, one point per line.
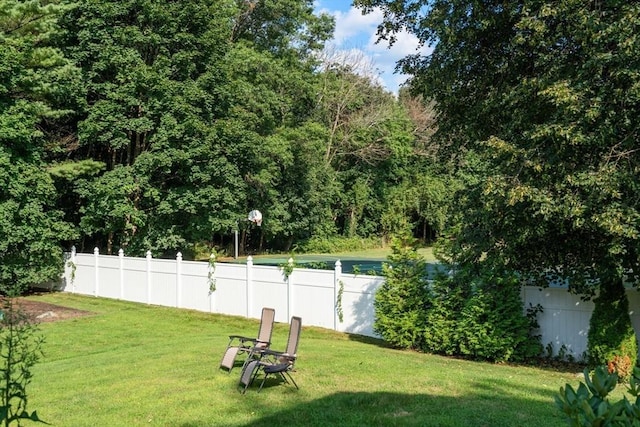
[589, 405]
[493, 324]
[448, 299]
[401, 303]
[20, 350]
[611, 334]
[339, 244]
[480, 316]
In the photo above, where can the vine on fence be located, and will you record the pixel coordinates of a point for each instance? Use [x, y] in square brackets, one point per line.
[339, 301]
[73, 267]
[287, 268]
[212, 270]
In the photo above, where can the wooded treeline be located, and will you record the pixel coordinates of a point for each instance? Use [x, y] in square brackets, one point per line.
[158, 125]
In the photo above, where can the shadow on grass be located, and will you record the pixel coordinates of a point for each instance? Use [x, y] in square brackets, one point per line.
[485, 407]
[364, 339]
[487, 402]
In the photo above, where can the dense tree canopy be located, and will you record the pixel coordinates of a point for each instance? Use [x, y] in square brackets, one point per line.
[537, 104]
[154, 125]
[35, 78]
[545, 95]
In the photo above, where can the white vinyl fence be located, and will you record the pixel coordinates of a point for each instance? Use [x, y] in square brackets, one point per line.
[324, 298]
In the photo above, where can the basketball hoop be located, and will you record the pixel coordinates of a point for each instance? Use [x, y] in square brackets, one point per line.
[256, 217]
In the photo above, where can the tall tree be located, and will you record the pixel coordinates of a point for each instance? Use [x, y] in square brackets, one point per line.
[32, 231]
[543, 97]
[184, 105]
[153, 86]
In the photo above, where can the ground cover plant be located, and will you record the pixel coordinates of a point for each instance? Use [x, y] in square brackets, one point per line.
[132, 364]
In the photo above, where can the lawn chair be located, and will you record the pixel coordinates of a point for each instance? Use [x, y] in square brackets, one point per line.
[271, 362]
[239, 345]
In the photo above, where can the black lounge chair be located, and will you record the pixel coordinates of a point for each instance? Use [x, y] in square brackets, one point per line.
[270, 362]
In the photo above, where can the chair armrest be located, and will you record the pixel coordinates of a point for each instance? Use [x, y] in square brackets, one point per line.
[241, 338]
[269, 352]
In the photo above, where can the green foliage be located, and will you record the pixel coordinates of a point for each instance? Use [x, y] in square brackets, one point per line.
[537, 104]
[401, 303]
[35, 84]
[492, 323]
[163, 123]
[339, 244]
[590, 404]
[287, 268]
[480, 317]
[20, 350]
[441, 330]
[339, 309]
[611, 333]
[31, 229]
[211, 273]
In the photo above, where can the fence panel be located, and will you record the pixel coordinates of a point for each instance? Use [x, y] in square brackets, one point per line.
[357, 304]
[163, 280]
[195, 293]
[135, 280]
[268, 289]
[564, 323]
[109, 277]
[230, 296]
[312, 294]
[83, 278]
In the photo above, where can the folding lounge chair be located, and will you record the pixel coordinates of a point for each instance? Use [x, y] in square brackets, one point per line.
[271, 362]
[239, 345]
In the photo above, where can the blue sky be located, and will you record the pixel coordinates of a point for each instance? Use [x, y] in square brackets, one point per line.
[355, 35]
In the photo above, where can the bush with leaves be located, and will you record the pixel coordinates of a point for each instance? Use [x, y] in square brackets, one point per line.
[480, 316]
[493, 324]
[611, 334]
[20, 350]
[449, 296]
[589, 404]
[401, 303]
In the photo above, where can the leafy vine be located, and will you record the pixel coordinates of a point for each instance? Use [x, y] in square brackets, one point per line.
[73, 267]
[339, 301]
[287, 268]
[212, 270]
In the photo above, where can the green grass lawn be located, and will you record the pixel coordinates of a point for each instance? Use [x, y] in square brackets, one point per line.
[135, 365]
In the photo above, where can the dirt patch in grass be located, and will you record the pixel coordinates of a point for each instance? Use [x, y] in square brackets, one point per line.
[39, 311]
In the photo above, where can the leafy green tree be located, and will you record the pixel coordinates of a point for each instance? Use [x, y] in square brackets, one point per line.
[544, 97]
[186, 103]
[32, 96]
[153, 86]
[370, 145]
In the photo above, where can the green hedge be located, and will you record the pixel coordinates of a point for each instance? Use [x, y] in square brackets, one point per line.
[478, 316]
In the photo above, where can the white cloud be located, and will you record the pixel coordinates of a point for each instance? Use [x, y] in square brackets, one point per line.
[353, 24]
[355, 31]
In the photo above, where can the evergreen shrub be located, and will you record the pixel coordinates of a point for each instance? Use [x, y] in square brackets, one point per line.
[469, 314]
[612, 339]
[402, 302]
